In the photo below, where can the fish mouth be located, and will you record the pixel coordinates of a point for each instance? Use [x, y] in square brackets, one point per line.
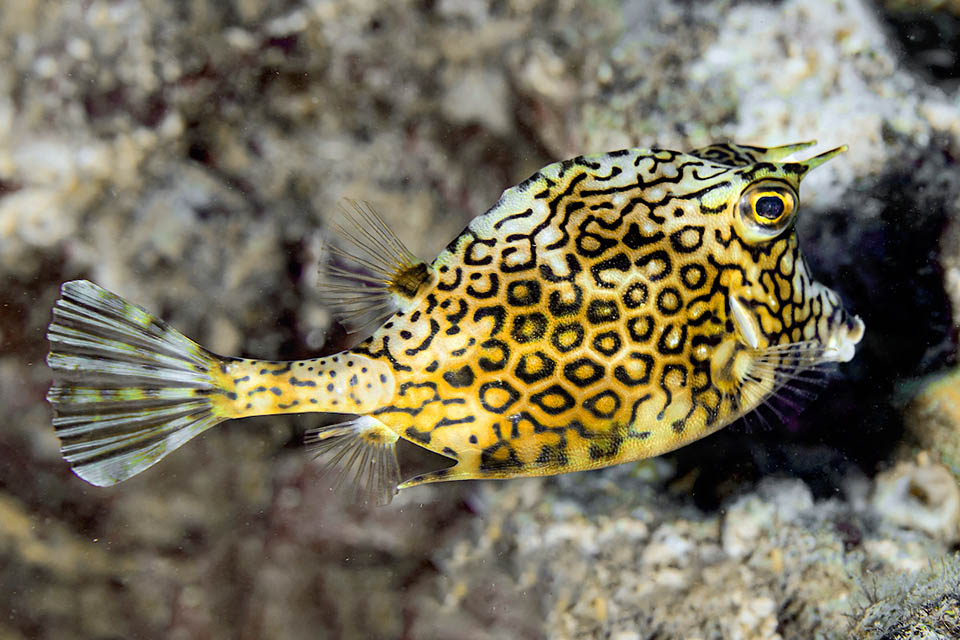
[842, 344]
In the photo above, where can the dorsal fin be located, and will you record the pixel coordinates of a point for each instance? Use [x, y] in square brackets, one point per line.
[376, 274]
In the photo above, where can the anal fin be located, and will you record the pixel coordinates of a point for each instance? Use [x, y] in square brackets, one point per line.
[377, 274]
[362, 453]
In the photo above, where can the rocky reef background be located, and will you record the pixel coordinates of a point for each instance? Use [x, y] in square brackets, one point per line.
[190, 156]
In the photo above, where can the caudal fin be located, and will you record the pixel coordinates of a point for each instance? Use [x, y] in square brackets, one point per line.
[128, 389]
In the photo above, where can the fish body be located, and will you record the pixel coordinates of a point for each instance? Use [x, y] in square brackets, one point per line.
[607, 309]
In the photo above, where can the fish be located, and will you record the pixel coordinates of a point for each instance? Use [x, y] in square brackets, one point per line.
[609, 308]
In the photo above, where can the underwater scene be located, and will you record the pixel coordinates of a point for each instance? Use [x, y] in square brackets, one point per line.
[456, 319]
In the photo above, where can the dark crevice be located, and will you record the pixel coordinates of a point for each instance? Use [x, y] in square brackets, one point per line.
[9, 186]
[929, 41]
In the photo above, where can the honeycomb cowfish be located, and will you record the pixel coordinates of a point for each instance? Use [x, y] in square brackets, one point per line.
[609, 308]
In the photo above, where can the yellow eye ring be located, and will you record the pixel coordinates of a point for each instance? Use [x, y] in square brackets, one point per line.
[767, 208]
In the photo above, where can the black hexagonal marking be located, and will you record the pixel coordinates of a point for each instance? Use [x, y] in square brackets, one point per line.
[669, 301]
[687, 239]
[486, 391]
[523, 293]
[592, 404]
[534, 367]
[607, 343]
[592, 245]
[693, 276]
[553, 400]
[566, 337]
[640, 328]
[636, 295]
[600, 311]
[583, 372]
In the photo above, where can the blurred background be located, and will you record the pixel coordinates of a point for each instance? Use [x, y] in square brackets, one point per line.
[189, 155]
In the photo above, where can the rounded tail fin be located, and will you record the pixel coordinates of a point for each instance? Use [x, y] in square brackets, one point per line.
[128, 389]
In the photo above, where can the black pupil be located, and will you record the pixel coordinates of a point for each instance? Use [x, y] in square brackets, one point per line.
[770, 207]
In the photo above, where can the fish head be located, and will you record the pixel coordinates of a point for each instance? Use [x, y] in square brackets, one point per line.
[772, 297]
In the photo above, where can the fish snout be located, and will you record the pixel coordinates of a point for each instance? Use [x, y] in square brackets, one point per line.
[842, 343]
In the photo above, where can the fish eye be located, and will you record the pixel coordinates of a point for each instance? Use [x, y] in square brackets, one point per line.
[767, 208]
[770, 207]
